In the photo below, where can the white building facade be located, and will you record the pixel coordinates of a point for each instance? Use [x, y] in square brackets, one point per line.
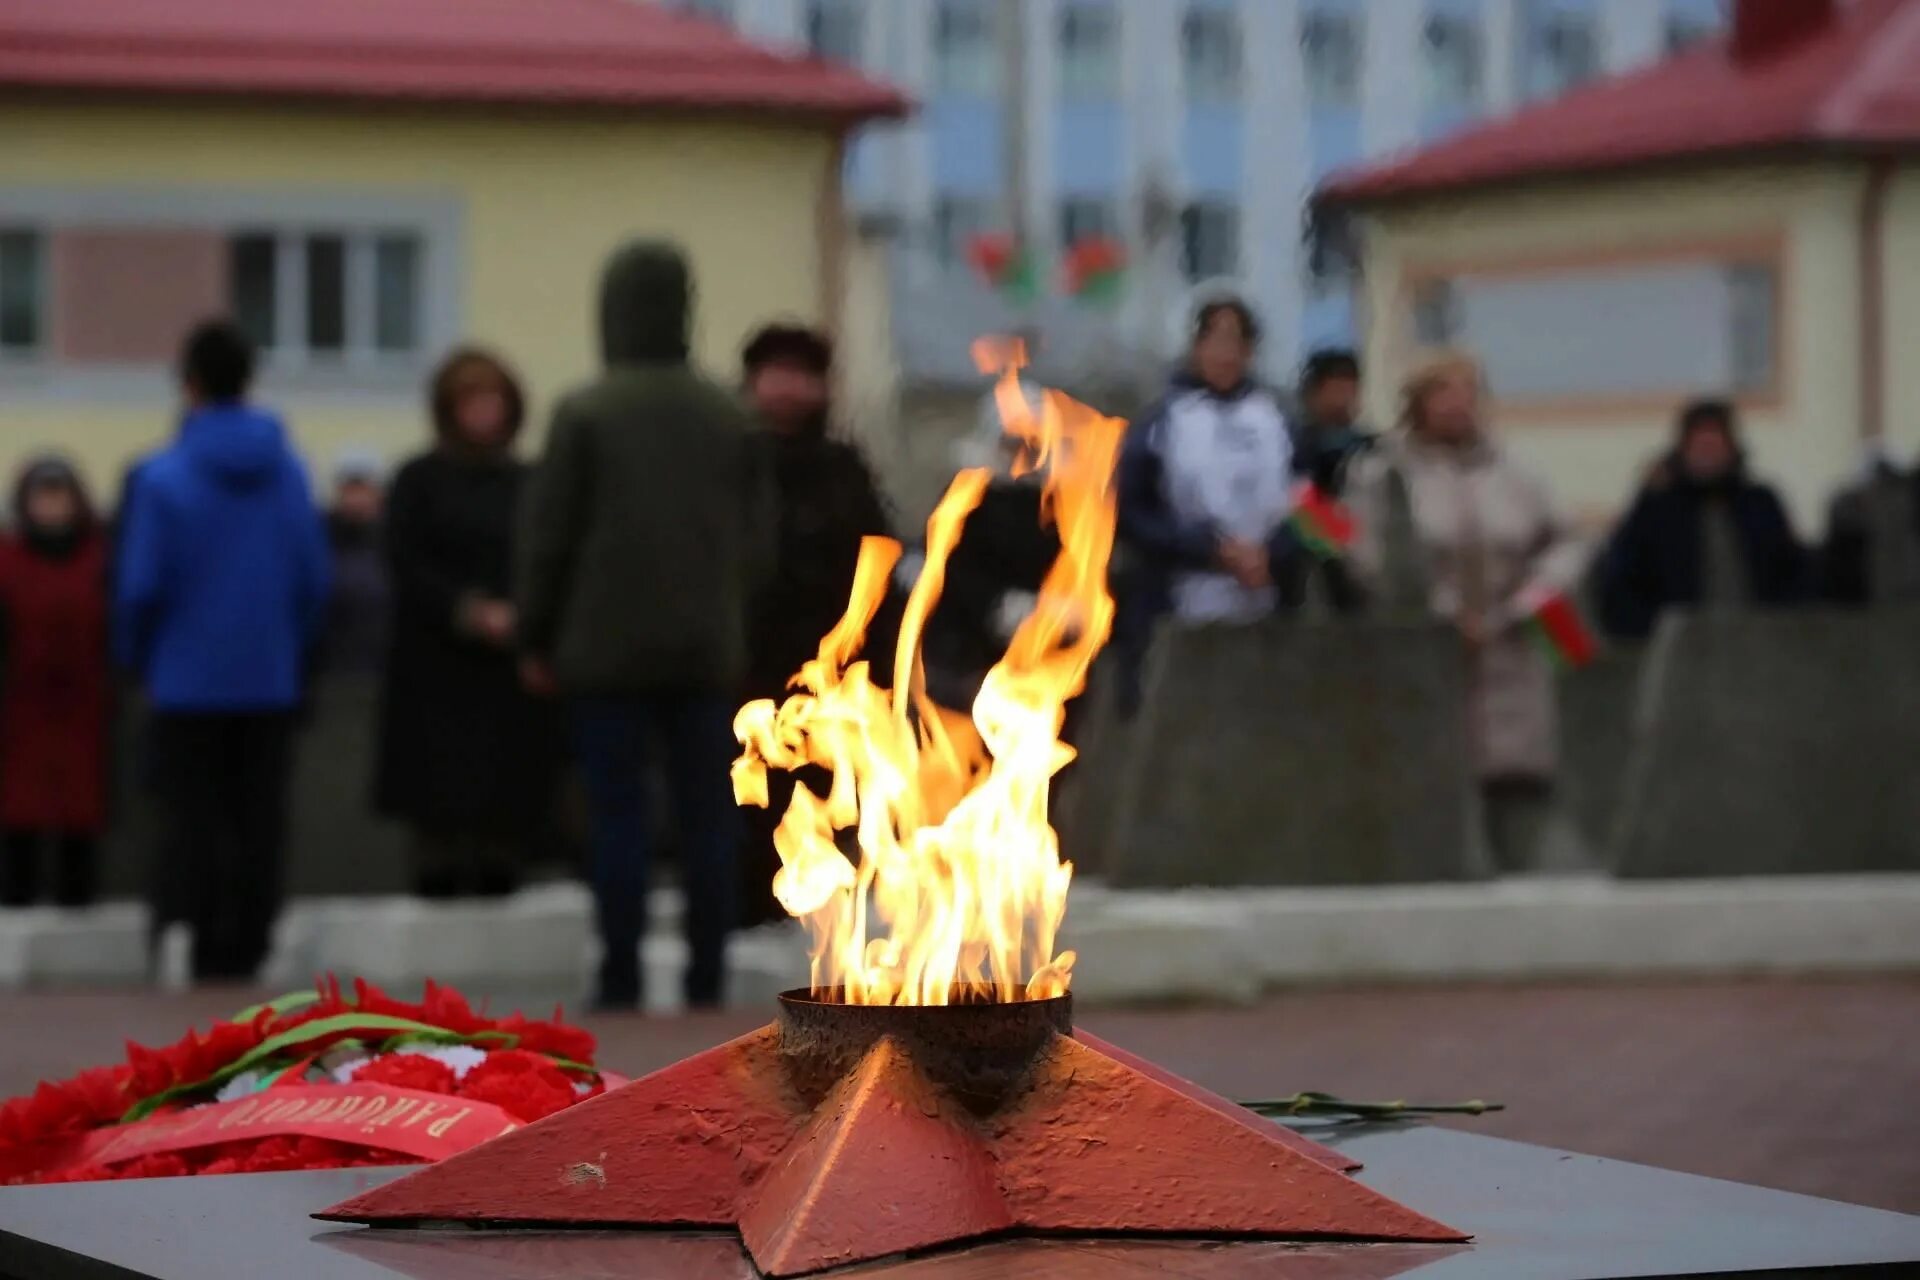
[1190, 131]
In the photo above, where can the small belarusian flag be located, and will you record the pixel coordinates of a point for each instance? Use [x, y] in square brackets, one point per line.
[1323, 526]
[1095, 269]
[1557, 626]
[1004, 264]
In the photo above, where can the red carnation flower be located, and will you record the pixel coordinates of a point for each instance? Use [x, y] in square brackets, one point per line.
[408, 1071]
[524, 1085]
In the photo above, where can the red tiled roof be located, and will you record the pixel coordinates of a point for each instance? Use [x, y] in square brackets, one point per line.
[1853, 86]
[607, 53]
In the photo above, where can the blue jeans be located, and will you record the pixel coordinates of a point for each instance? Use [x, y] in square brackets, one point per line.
[612, 737]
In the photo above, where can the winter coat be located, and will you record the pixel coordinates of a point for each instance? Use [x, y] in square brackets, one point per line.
[1199, 467]
[1004, 549]
[649, 524]
[1654, 560]
[55, 690]
[1467, 528]
[462, 745]
[1324, 458]
[222, 576]
[359, 613]
[828, 502]
[1872, 550]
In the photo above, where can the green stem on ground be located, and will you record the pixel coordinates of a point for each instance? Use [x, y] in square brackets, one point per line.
[1326, 1104]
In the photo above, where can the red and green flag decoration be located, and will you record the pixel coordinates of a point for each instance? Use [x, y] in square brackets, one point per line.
[1323, 526]
[1004, 264]
[1095, 270]
[1558, 627]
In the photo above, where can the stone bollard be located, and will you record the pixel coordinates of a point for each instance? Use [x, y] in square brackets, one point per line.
[1298, 754]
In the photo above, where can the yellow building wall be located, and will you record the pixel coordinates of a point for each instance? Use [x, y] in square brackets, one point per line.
[1805, 444]
[546, 196]
[1902, 284]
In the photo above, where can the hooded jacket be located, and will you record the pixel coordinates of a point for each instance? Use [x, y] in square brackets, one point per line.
[1199, 466]
[649, 523]
[221, 586]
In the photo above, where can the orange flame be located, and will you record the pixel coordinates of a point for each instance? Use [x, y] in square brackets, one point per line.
[958, 891]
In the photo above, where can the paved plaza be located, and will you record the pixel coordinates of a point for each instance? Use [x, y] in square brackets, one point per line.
[1804, 1086]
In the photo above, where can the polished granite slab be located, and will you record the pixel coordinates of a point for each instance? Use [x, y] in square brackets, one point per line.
[1536, 1213]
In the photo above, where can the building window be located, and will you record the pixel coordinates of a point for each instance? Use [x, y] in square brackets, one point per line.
[1084, 218]
[328, 293]
[1210, 239]
[1649, 326]
[1330, 57]
[1686, 30]
[252, 265]
[1436, 313]
[22, 273]
[1566, 53]
[957, 221]
[1331, 257]
[1451, 61]
[1210, 54]
[717, 10]
[397, 292]
[834, 32]
[1753, 304]
[964, 50]
[1089, 52]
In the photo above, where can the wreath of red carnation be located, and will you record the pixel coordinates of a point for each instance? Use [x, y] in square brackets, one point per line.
[355, 1062]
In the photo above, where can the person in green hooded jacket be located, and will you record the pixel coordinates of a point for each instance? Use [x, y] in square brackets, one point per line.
[647, 529]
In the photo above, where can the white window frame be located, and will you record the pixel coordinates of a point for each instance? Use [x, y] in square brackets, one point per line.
[438, 222]
[1212, 54]
[290, 346]
[1089, 68]
[23, 355]
[1331, 50]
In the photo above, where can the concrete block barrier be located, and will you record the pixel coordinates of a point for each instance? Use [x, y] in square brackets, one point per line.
[1775, 744]
[1298, 754]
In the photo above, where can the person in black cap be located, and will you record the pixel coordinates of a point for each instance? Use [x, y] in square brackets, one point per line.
[1327, 437]
[828, 503]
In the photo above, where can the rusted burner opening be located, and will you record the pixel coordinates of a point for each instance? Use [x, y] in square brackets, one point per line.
[980, 1050]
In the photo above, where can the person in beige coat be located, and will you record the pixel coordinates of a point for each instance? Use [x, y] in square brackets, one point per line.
[1449, 526]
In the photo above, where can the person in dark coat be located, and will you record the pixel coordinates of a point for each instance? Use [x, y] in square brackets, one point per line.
[648, 530]
[993, 577]
[1871, 555]
[359, 617]
[1702, 534]
[55, 690]
[1327, 437]
[467, 756]
[829, 502]
[219, 593]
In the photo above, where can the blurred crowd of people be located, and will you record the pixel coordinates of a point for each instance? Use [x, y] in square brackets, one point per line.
[680, 547]
[1449, 526]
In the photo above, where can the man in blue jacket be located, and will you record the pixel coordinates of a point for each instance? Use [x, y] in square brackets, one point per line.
[219, 593]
